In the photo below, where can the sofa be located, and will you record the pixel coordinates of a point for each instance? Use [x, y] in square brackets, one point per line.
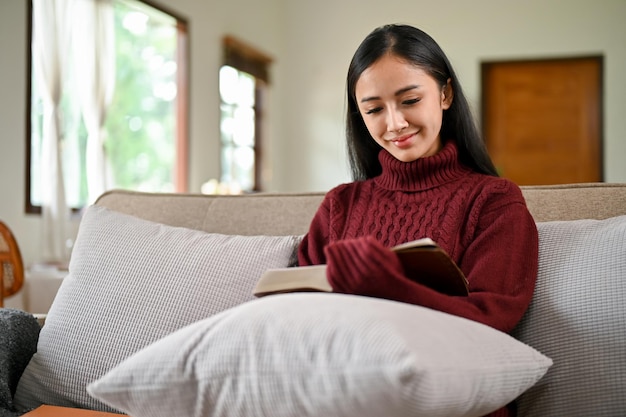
[157, 318]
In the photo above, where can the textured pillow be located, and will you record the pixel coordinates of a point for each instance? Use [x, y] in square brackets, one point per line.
[578, 318]
[130, 283]
[19, 332]
[320, 354]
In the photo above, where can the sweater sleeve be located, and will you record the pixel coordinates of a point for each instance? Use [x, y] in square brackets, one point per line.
[500, 263]
[311, 249]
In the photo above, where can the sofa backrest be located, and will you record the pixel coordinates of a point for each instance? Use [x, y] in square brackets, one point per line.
[291, 213]
[246, 214]
[576, 201]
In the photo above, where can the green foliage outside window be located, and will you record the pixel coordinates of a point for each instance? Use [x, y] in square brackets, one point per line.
[141, 124]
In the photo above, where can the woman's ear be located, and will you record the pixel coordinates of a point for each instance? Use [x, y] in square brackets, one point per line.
[447, 95]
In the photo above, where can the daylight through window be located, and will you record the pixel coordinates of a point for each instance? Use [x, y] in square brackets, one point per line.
[138, 76]
[237, 128]
[243, 81]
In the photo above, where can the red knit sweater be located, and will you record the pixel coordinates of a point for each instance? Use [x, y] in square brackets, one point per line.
[480, 220]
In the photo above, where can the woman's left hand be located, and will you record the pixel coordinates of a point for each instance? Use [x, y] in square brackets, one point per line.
[360, 266]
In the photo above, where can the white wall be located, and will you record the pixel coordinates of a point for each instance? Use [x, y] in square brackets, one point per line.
[312, 42]
[12, 126]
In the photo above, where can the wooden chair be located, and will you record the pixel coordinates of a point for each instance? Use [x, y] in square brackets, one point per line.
[11, 264]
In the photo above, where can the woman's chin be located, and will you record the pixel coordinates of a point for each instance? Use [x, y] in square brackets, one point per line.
[409, 155]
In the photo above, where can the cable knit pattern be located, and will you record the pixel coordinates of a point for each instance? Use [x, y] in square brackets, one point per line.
[412, 203]
[480, 220]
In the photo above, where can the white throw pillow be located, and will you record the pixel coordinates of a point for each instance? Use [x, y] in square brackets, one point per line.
[324, 354]
[131, 282]
[578, 318]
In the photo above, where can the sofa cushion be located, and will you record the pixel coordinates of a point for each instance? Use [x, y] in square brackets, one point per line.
[131, 282]
[324, 354]
[578, 318]
[19, 332]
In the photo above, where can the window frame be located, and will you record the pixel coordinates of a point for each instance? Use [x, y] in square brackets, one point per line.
[246, 58]
[181, 168]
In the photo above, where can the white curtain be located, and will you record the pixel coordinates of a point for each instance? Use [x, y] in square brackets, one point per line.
[51, 37]
[74, 51]
[95, 75]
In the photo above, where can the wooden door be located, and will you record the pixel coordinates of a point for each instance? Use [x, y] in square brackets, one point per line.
[542, 119]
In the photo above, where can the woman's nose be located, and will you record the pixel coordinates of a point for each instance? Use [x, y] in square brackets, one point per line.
[396, 121]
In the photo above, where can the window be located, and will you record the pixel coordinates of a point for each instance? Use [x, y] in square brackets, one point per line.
[143, 136]
[243, 81]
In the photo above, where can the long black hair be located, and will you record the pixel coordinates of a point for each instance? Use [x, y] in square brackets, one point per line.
[417, 48]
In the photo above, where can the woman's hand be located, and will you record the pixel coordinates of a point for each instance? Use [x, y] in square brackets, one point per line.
[361, 266]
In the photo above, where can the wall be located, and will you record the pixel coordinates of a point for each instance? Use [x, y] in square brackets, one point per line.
[312, 43]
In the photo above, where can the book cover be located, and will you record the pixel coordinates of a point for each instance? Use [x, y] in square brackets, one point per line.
[423, 261]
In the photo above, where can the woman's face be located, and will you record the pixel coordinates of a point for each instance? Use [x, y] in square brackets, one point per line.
[402, 107]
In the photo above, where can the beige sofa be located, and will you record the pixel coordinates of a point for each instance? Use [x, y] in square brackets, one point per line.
[291, 214]
[576, 319]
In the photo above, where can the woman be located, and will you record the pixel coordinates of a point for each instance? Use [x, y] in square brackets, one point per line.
[421, 170]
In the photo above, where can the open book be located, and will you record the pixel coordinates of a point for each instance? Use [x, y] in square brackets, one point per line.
[423, 261]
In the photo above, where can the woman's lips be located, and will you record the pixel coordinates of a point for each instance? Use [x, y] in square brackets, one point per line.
[403, 141]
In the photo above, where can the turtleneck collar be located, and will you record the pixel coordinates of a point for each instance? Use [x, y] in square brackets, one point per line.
[423, 173]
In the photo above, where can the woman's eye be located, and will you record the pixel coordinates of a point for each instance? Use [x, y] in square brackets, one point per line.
[372, 111]
[409, 102]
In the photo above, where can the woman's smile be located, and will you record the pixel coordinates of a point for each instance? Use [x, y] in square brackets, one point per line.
[403, 141]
